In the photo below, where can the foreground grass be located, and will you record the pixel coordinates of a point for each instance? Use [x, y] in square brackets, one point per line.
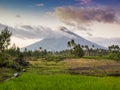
[29, 81]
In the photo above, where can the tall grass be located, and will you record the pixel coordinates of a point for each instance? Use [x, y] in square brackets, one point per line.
[30, 81]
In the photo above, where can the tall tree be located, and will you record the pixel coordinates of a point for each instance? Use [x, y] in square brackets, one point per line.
[68, 44]
[72, 42]
[4, 39]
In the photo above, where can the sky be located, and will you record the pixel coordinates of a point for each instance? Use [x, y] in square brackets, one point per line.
[33, 20]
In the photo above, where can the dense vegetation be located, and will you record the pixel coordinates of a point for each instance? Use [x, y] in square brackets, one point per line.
[10, 57]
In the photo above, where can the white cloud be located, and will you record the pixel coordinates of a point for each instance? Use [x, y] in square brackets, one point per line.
[39, 5]
[105, 41]
[84, 1]
[33, 32]
[18, 16]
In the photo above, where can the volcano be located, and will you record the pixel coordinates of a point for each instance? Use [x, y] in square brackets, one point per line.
[60, 43]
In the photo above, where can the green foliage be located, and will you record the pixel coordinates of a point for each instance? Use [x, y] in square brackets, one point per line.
[114, 52]
[4, 39]
[113, 48]
[13, 51]
[77, 51]
[114, 55]
[4, 43]
[6, 60]
[8, 56]
[97, 57]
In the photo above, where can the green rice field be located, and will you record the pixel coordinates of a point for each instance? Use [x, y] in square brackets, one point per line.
[29, 81]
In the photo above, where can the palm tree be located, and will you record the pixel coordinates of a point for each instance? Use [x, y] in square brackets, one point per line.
[72, 42]
[69, 44]
[93, 46]
[86, 46]
[113, 47]
[109, 48]
[40, 48]
[82, 46]
[87, 49]
[116, 47]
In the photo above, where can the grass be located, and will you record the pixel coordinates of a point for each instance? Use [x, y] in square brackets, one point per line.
[96, 57]
[29, 81]
[93, 67]
[77, 66]
[47, 67]
[50, 75]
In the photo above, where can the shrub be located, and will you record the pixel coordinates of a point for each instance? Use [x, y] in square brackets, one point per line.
[114, 55]
[4, 60]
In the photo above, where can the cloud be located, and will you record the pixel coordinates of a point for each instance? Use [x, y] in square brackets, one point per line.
[27, 31]
[18, 16]
[84, 1]
[39, 5]
[83, 16]
[105, 41]
[27, 27]
[33, 32]
[66, 30]
[83, 28]
[89, 34]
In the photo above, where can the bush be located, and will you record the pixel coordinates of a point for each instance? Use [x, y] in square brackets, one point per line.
[115, 56]
[4, 60]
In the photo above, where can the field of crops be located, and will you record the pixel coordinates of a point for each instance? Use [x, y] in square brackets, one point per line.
[29, 81]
